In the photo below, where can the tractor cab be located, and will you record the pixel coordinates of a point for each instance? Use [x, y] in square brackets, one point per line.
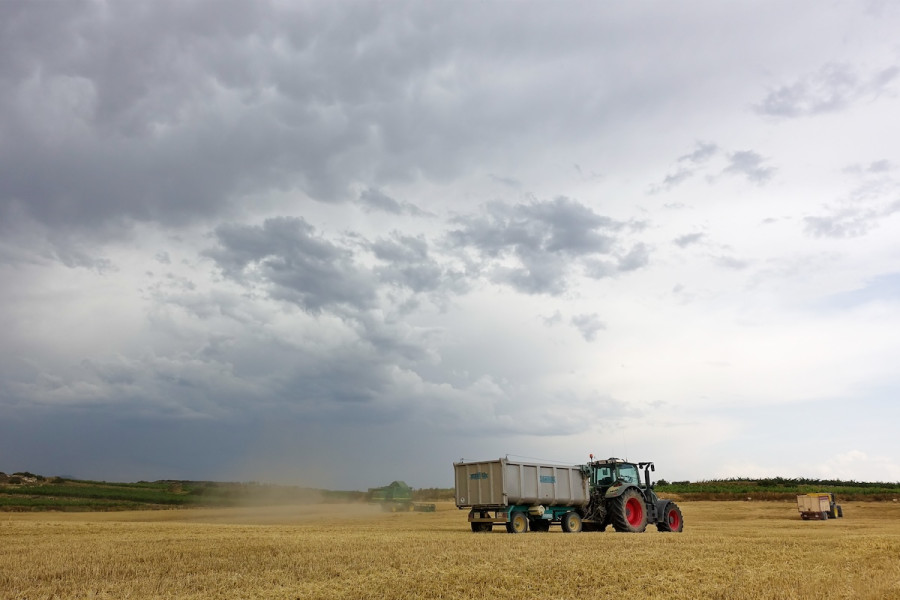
[615, 472]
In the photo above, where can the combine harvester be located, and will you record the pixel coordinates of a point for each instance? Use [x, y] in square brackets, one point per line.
[397, 497]
[527, 496]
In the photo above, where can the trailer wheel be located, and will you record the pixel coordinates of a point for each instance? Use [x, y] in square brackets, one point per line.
[539, 525]
[518, 523]
[482, 527]
[824, 516]
[571, 522]
[672, 519]
[628, 513]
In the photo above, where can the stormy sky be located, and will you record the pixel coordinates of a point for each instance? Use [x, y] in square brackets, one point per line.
[342, 243]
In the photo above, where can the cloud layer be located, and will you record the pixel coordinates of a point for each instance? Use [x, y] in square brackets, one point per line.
[349, 243]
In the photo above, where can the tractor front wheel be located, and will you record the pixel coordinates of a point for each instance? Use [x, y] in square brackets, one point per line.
[628, 512]
[672, 519]
[518, 523]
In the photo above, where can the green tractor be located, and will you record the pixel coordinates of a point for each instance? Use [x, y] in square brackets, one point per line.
[397, 497]
[619, 497]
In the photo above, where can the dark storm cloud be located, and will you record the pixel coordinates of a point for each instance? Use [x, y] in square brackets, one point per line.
[174, 112]
[287, 257]
[832, 88]
[171, 111]
[543, 238]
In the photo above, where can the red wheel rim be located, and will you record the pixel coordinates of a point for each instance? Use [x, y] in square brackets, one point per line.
[634, 512]
[674, 520]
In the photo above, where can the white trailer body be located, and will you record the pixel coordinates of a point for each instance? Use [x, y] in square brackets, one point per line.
[501, 483]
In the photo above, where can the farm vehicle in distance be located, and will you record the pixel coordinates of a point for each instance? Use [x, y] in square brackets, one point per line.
[818, 506]
[397, 497]
[531, 496]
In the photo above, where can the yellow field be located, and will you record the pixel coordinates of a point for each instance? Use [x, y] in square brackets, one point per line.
[728, 550]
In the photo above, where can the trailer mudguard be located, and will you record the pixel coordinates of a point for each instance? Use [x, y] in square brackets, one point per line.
[662, 508]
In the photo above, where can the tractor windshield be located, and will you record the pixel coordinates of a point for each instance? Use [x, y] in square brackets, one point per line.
[629, 474]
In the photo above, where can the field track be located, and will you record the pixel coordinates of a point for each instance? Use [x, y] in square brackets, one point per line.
[728, 550]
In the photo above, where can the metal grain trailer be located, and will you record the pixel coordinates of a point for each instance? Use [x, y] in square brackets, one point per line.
[818, 506]
[526, 495]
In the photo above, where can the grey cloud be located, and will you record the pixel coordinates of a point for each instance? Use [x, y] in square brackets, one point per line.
[507, 181]
[589, 325]
[750, 165]
[409, 264]
[636, 258]
[832, 88]
[729, 262]
[688, 239]
[747, 163]
[543, 237]
[868, 203]
[285, 256]
[688, 165]
[703, 151]
[375, 199]
[600, 269]
[679, 176]
[849, 222]
[875, 167]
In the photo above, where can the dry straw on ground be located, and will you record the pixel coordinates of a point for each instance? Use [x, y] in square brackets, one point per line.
[728, 550]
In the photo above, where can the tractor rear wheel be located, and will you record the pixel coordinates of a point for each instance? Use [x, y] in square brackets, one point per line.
[571, 522]
[672, 519]
[482, 527]
[518, 523]
[840, 511]
[628, 512]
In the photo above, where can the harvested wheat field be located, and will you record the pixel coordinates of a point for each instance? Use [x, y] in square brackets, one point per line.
[728, 550]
